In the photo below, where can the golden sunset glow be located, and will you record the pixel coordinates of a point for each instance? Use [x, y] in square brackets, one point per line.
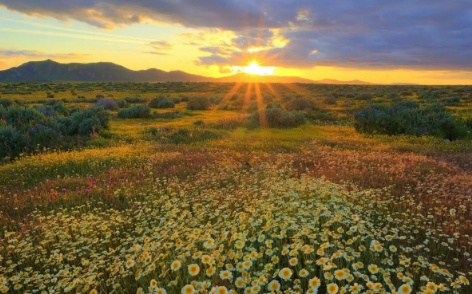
[254, 69]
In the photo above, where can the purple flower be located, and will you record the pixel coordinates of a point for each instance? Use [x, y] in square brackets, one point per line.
[64, 190]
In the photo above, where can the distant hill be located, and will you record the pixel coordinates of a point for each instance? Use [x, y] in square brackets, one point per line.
[244, 78]
[336, 82]
[51, 71]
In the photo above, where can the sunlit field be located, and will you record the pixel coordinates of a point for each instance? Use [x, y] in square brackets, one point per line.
[235, 188]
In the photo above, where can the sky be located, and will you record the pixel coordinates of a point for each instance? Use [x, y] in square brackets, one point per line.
[380, 41]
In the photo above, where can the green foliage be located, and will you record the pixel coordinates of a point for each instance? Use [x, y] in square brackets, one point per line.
[135, 100]
[161, 103]
[299, 104]
[364, 96]
[330, 100]
[108, 104]
[277, 118]
[6, 103]
[411, 119]
[137, 111]
[198, 103]
[27, 130]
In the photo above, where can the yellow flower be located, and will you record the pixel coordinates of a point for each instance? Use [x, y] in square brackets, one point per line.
[274, 286]
[206, 259]
[175, 265]
[404, 289]
[153, 284]
[221, 290]
[193, 269]
[332, 288]
[93, 291]
[210, 271]
[285, 273]
[373, 269]
[315, 282]
[188, 289]
[240, 283]
[340, 274]
[293, 261]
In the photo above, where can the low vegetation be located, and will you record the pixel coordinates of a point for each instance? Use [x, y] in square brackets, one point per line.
[263, 188]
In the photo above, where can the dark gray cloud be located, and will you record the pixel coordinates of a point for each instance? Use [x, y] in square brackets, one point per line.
[384, 34]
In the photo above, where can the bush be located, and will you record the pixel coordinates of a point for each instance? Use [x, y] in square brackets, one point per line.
[176, 100]
[135, 100]
[161, 103]
[330, 100]
[278, 118]
[137, 111]
[27, 130]
[198, 103]
[452, 101]
[93, 119]
[411, 119]
[108, 104]
[299, 104]
[274, 105]
[252, 107]
[6, 103]
[364, 96]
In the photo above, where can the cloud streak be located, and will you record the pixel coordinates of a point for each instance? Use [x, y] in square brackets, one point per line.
[13, 52]
[374, 34]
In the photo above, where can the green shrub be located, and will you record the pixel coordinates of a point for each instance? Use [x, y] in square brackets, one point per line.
[330, 100]
[198, 103]
[137, 111]
[6, 103]
[108, 104]
[26, 130]
[165, 104]
[299, 104]
[273, 105]
[135, 100]
[411, 119]
[278, 118]
[364, 96]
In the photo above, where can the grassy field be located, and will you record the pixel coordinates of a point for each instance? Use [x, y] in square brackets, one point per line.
[205, 203]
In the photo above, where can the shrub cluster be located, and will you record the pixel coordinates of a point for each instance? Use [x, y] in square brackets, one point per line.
[136, 111]
[299, 104]
[25, 129]
[198, 103]
[410, 118]
[277, 118]
[161, 103]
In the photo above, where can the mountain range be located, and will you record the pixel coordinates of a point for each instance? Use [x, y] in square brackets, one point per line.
[51, 71]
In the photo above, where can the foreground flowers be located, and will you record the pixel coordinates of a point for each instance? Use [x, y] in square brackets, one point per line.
[231, 230]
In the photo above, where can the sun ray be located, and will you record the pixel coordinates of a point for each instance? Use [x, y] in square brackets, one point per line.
[297, 89]
[263, 122]
[271, 89]
[228, 96]
[247, 96]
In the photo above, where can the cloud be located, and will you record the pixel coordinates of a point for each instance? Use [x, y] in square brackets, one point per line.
[6, 52]
[410, 34]
[160, 45]
[155, 53]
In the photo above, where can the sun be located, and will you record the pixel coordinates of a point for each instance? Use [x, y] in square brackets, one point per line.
[254, 69]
